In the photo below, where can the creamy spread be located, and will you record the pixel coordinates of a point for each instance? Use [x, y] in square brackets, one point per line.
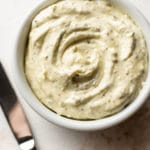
[86, 59]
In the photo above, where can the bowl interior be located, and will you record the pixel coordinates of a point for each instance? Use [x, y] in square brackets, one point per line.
[27, 94]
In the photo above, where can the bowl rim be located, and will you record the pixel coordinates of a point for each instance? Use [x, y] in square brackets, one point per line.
[27, 94]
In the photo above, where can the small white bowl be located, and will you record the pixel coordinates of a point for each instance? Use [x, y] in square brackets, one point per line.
[29, 97]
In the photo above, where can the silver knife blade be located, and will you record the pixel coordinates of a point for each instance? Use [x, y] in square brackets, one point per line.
[8, 101]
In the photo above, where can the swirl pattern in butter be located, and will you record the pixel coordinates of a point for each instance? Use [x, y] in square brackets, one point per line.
[86, 59]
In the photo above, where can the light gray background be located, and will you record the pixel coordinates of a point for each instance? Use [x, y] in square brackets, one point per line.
[134, 134]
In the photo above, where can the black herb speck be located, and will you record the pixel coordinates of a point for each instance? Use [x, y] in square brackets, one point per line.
[115, 61]
[88, 41]
[46, 57]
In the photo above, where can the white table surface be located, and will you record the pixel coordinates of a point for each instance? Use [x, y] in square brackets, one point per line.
[134, 134]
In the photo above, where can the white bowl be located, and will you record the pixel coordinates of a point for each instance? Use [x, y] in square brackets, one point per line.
[29, 97]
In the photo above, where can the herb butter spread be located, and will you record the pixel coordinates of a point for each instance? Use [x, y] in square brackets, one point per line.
[85, 59]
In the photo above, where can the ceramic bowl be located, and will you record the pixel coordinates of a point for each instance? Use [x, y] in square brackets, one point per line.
[30, 98]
